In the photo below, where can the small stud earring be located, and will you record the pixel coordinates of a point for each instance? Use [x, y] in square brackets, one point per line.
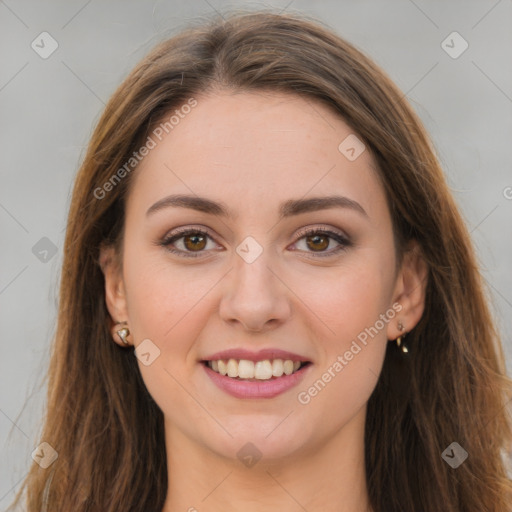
[399, 342]
[123, 332]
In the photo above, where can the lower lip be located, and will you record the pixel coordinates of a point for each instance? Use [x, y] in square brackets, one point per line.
[254, 389]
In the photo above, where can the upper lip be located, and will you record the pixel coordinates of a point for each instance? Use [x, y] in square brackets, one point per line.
[267, 353]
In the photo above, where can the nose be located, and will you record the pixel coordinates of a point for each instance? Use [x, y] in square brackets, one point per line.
[255, 297]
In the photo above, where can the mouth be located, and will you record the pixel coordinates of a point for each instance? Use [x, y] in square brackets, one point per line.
[262, 378]
[255, 371]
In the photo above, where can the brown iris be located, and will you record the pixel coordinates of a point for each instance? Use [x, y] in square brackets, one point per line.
[325, 238]
[195, 243]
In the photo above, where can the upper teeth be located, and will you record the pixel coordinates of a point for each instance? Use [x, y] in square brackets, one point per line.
[262, 370]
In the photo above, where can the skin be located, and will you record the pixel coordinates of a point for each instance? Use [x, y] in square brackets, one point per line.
[253, 151]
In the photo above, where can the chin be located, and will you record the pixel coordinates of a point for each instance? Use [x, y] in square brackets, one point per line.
[267, 440]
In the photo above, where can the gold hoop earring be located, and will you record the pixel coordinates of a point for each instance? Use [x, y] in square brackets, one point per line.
[123, 332]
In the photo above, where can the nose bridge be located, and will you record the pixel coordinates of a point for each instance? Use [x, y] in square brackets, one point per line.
[254, 296]
[251, 276]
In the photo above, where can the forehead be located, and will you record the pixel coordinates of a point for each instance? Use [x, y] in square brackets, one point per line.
[248, 148]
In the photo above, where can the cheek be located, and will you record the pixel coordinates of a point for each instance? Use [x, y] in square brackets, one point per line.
[349, 298]
[167, 303]
[354, 311]
[169, 307]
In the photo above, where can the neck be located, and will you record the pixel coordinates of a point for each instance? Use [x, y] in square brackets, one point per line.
[328, 477]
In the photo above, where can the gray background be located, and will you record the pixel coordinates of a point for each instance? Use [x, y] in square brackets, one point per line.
[48, 108]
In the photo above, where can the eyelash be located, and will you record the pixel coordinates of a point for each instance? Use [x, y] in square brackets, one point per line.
[168, 240]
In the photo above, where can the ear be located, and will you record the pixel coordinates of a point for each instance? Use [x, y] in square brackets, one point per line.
[115, 296]
[410, 290]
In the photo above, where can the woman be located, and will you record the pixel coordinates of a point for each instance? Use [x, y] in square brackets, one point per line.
[269, 300]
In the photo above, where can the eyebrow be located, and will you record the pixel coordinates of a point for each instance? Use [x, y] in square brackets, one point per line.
[287, 209]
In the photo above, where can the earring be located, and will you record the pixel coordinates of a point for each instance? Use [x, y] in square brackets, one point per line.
[399, 342]
[122, 332]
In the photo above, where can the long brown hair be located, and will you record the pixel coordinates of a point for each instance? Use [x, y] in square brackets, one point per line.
[452, 387]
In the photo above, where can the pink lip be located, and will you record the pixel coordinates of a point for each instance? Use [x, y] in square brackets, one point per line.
[254, 389]
[268, 353]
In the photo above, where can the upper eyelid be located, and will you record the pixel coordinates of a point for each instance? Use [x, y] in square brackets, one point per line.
[182, 231]
[332, 233]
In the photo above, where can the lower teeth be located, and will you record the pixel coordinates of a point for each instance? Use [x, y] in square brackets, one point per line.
[254, 379]
[257, 380]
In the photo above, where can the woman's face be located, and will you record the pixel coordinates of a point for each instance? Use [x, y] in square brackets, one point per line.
[256, 281]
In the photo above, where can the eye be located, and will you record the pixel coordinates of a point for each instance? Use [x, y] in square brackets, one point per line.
[319, 239]
[194, 241]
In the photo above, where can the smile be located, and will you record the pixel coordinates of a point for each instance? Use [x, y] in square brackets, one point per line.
[243, 378]
[259, 370]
